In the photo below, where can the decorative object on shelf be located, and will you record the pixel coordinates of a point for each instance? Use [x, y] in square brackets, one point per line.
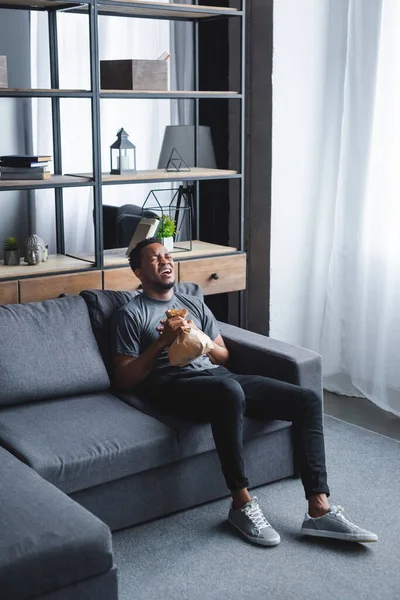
[176, 162]
[182, 138]
[11, 252]
[3, 72]
[22, 166]
[166, 232]
[35, 250]
[175, 205]
[133, 74]
[122, 155]
[22, 160]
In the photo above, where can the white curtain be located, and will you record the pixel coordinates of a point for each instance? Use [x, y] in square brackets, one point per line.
[335, 274]
[182, 69]
[144, 120]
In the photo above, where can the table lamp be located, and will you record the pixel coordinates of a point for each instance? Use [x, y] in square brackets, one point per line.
[181, 138]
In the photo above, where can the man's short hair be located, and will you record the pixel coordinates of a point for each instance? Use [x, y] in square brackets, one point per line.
[135, 256]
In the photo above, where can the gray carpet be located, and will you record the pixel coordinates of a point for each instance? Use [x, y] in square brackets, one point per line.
[194, 555]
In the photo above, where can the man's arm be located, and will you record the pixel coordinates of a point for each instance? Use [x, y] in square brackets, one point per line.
[220, 354]
[130, 371]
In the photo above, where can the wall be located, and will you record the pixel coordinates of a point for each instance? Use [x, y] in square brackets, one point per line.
[14, 117]
[300, 30]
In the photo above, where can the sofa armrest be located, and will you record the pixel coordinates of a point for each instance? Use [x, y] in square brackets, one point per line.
[260, 355]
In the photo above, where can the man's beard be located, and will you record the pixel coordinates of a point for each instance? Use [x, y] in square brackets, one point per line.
[164, 286]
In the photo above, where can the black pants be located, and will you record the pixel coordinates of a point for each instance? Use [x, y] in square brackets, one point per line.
[223, 398]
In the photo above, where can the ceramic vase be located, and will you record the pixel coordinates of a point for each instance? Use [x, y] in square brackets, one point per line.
[168, 243]
[11, 257]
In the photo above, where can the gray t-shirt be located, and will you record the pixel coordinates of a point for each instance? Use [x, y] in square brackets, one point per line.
[135, 328]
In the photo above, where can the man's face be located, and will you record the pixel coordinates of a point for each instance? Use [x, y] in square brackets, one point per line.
[157, 267]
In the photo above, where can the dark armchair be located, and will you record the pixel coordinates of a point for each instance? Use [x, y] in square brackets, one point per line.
[120, 222]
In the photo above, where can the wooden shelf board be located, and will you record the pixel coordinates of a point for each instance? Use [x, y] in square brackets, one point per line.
[169, 93]
[42, 91]
[163, 175]
[54, 181]
[133, 8]
[127, 93]
[38, 4]
[55, 263]
[141, 8]
[114, 94]
[201, 249]
[117, 257]
[152, 175]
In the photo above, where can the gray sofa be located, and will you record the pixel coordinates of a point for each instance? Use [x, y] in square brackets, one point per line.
[79, 457]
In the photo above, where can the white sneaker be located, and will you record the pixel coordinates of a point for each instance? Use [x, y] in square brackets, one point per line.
[335, 525]
[252, 524]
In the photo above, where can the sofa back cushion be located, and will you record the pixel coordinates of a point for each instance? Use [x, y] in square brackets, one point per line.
[48, 350]
[102, 305]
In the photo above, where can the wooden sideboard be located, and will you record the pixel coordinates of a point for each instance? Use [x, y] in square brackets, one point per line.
[217, 269]
[9, 292]
[43, 288]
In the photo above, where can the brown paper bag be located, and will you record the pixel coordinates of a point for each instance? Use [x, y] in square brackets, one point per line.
[189, 343]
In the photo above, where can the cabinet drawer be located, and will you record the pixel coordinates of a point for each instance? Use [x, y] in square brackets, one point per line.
[216, 275]
[120, 279]
[44, 288]
[9, 292]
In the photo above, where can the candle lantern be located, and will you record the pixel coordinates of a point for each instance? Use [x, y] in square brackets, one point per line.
[122, 155]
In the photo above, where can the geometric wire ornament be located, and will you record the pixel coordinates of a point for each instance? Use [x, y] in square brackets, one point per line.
[176, 162]
[177, 204]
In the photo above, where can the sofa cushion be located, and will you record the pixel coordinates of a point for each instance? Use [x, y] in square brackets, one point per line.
[79, 442]
[102, 305]
[47, 540]
[48, 350]
[196, 438]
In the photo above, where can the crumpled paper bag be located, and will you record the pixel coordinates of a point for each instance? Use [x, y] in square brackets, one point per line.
[189, 343]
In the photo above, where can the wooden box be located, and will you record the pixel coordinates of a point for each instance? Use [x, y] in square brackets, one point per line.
[3, 72]
[133, 74]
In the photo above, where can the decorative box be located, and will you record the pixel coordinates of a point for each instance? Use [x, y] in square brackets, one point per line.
[3, 72]
[134, 74]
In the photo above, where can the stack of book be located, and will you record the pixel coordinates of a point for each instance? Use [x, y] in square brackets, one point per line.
[21, 166]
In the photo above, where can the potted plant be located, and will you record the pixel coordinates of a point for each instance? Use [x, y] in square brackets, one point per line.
[166, 231]
[11, 251]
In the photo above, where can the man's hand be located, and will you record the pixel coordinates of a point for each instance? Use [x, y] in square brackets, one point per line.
[193, 325]
[170, 328]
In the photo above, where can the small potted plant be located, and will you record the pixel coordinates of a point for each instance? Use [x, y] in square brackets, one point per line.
[11, 251]
[166, 232]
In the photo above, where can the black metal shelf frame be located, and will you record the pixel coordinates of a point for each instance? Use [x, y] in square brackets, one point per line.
[45, 185]
[94, 9]
[96, 140]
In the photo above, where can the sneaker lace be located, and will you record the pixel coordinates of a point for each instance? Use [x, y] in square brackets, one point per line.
[338, 512]
[254, 513]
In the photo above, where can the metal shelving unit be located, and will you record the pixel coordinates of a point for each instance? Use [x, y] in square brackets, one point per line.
[135, 9]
